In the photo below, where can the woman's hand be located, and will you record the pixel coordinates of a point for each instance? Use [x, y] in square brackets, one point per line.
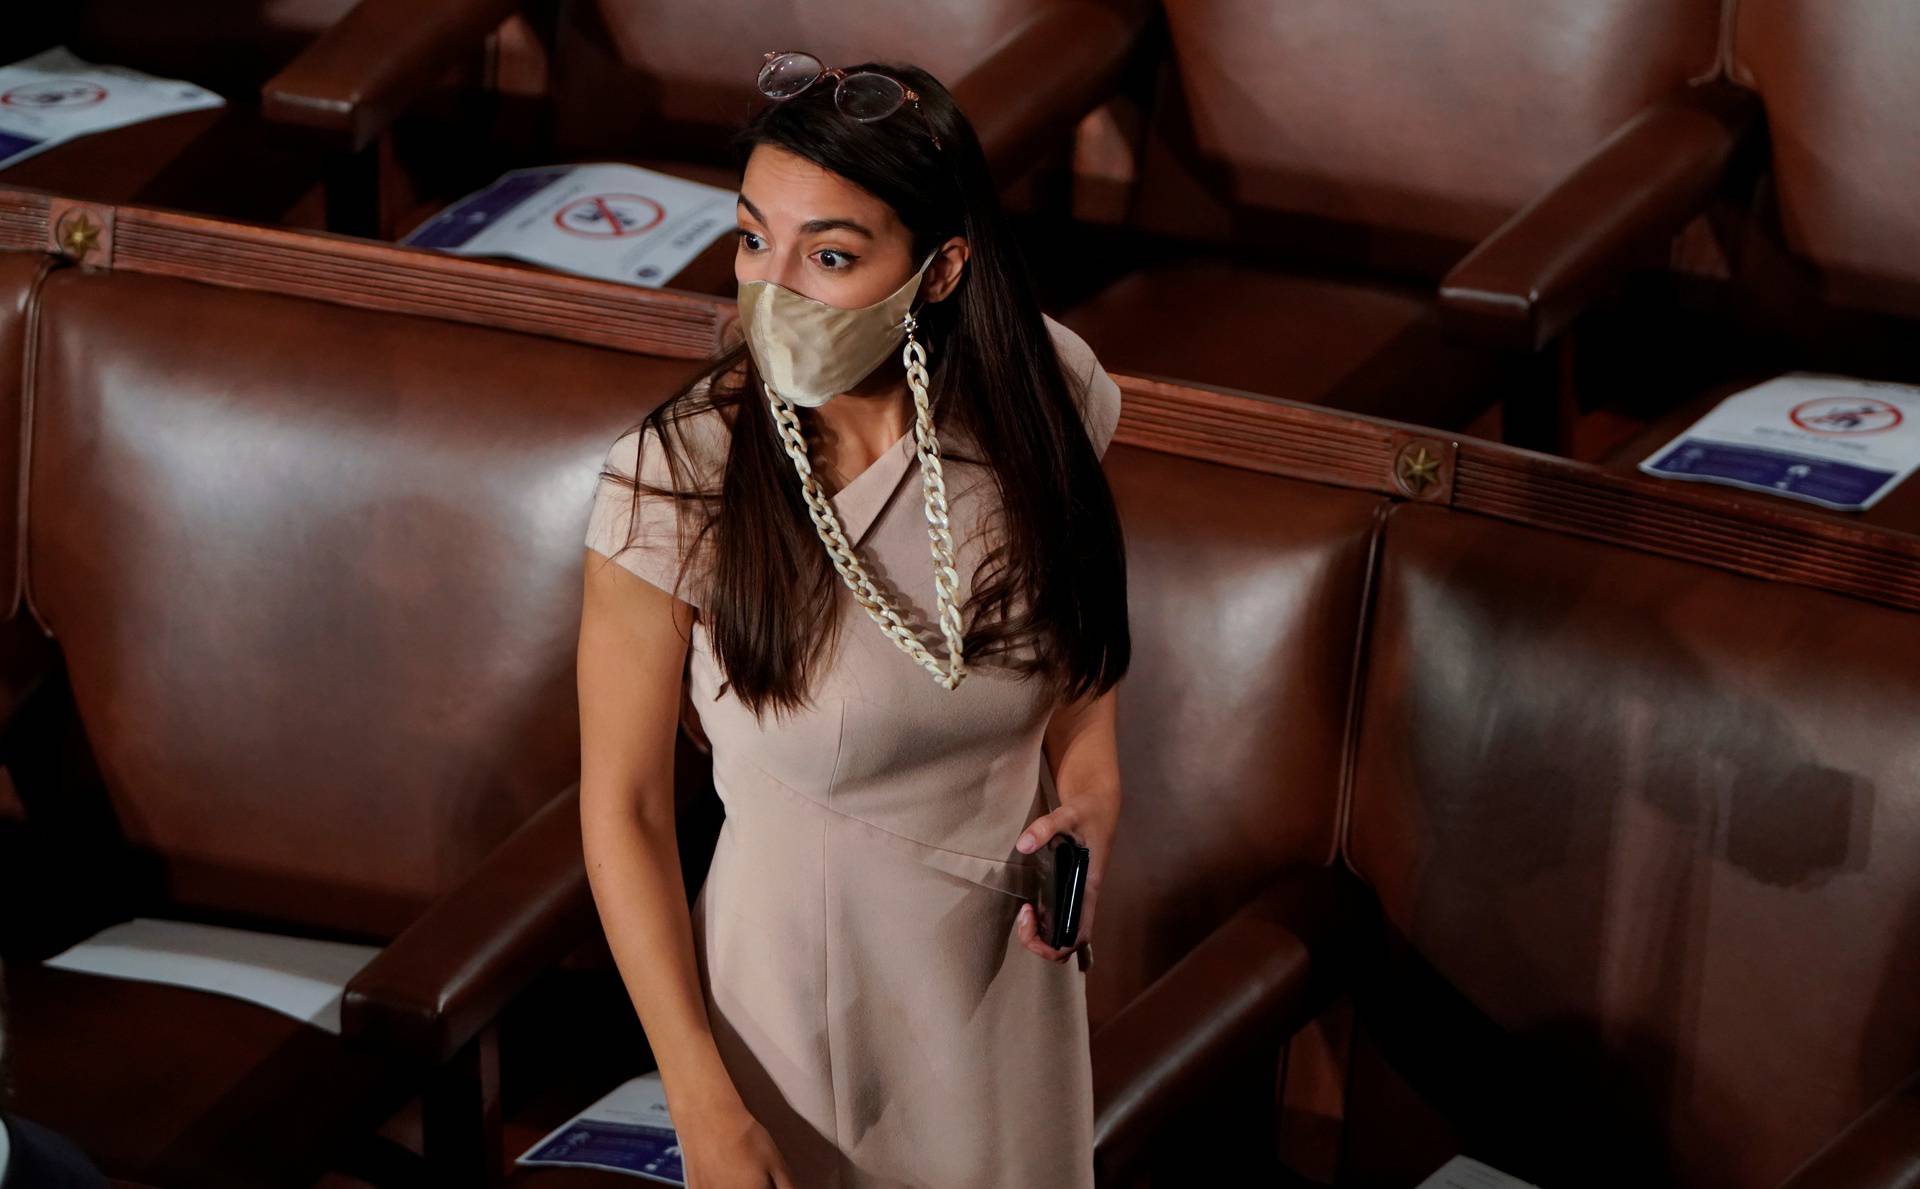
[1079, 744]
[730, 1150]
[1091, 820]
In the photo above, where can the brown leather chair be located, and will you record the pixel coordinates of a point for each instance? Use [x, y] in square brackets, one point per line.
[664, 86]
[1625, 884]
[1639, 839]
[233, 161]
[313, 578]
[1312, 170]
[1824, 248]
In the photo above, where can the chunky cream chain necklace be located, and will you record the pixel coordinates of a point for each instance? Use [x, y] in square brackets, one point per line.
[946, 580]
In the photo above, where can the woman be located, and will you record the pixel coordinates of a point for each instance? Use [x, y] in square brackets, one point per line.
[899, 596]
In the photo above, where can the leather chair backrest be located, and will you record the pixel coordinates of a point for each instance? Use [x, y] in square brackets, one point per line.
[1245, 597]
[1647, 840]
[1396, 131]
[672, 77]
[315, 573]
[1840, 91]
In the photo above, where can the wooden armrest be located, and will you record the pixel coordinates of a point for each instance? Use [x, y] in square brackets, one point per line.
[1528, 280]
[1255, 981]
[453, 971]
[1034, 88]
[363, 72]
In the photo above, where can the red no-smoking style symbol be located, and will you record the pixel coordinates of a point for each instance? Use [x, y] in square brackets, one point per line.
[1845, 414]
[605, 216]
[54, 92]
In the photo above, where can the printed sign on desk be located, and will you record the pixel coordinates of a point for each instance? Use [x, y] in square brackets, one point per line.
[627, 1130]
[611, 221]
[1830, 440]
[54, 97]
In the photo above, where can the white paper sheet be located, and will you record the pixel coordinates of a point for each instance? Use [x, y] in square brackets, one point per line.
[1835, 441]
[607, 220]
[294, 976]
[55, 96]
[1464, 1173]
[628, 1131]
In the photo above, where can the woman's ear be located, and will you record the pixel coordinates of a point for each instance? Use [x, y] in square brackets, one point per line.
[949, 263]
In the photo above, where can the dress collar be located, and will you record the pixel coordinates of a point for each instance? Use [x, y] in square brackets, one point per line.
[860, 503]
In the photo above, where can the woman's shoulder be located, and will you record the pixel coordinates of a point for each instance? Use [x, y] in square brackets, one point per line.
[646, 530]
[1093, 389]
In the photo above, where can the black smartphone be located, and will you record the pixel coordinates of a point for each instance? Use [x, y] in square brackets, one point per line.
[1063, 885]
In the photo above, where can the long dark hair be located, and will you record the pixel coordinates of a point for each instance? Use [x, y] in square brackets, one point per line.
[1050, 597]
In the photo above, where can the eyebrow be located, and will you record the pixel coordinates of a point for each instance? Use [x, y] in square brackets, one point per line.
[811, 226]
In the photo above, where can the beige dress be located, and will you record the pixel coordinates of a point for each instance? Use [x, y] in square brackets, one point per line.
[855, 935]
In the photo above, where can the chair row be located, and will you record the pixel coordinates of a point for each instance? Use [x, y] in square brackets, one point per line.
[1573, 226]
[1567, 225]
[1476, 800]
[365, 118]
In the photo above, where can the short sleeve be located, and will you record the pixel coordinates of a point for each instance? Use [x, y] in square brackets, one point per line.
[1093, 388]
[654, 551]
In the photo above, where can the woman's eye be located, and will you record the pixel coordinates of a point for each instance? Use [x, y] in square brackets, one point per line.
[749, 240]
[833, 260]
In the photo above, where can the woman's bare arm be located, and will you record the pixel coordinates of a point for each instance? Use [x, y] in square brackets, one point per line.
[632, 650]
[1081, 746]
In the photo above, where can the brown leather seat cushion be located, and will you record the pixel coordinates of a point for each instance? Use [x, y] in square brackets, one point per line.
[177, 1086]
[1371, 347]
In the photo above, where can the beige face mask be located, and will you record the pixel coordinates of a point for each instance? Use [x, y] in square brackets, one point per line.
[809, 351]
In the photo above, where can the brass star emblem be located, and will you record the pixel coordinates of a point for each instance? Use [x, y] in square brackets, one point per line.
[81, 236]
[1419, 469]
